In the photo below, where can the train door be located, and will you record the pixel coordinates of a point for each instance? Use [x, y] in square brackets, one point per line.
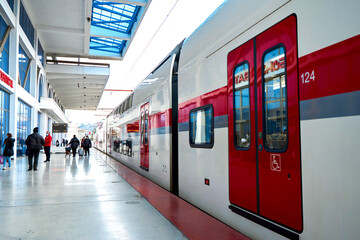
[264, 134]
[144, 136]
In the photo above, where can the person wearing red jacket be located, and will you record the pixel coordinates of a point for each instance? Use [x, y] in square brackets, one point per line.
[47, 146]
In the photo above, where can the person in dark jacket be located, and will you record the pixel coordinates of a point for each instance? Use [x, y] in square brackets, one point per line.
[86, 144]
[8, 149]
[74, 143]
[34, 143]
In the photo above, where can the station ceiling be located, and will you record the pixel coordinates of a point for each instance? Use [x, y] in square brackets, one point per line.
[101, 29]
[72, 30]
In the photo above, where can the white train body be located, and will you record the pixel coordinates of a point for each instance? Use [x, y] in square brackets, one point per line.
[256, 122]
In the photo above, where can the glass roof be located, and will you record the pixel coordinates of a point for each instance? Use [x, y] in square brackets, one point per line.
[112, 18]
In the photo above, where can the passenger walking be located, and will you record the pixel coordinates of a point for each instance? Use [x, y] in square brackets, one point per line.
[47, 146]
[34, 143]
[86, 144]
[8, 149]
[74, 143]
[57, 143]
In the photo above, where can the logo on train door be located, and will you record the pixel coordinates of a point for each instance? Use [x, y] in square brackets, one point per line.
[275, 162]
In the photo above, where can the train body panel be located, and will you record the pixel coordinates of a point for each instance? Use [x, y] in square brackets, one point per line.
[147, 130]
[302, 157]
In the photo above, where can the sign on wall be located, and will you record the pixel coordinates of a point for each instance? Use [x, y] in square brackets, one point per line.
[59, 127]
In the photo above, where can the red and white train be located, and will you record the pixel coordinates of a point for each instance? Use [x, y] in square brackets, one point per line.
[255, 119]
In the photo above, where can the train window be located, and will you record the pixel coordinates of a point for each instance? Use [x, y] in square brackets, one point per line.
[146, 126]
[274, 102]
[242, 106]
[129, 147]
[202, 127]
[142, 127]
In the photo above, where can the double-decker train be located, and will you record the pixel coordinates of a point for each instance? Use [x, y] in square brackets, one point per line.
[255, 119]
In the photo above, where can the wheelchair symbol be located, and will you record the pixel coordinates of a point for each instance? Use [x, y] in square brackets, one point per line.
[275, 162]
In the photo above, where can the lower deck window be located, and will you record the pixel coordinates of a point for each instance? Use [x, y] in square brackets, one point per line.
[202, 127]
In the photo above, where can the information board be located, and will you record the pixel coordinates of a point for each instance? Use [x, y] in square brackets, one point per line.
[59, 127]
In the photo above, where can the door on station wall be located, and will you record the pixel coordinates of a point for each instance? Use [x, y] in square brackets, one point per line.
[144, 136]
[264, 134]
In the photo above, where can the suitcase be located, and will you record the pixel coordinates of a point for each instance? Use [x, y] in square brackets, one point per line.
[81, 152]
[67, 151]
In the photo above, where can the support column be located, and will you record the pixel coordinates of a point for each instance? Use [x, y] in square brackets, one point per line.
[14, 74]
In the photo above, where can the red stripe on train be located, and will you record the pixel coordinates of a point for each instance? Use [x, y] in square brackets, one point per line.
[331, 70]
[326, 72]
[157, 120]
[161, 119]
[218, 98]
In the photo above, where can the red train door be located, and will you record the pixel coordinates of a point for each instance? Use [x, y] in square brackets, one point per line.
[264, 126]
[144, 136]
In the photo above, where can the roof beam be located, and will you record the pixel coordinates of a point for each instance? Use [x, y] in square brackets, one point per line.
[131, 2]
[60, 30]
[107, 33]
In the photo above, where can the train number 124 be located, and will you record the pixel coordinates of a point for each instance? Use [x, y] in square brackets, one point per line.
[307, 77]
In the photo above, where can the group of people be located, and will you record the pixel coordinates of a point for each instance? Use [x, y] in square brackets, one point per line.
[35, 142]
[85, 144]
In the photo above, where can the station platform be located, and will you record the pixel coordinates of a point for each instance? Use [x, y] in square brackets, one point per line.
[96, 197]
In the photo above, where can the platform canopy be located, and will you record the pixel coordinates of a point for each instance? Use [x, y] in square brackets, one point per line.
[101, 29]
[73, 33]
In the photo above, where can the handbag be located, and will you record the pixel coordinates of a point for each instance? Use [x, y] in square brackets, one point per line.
[27, 152]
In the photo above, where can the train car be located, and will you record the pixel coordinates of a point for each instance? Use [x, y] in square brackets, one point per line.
[99, 137]
[139, 129]
[254, 119]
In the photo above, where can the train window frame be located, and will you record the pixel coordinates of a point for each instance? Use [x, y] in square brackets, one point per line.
[234, 110]
[142, 127]
[146, 127]
[281, 45]
[212, 138]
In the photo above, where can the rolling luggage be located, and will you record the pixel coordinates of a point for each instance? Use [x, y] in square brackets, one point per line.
[81, 152]
[67, 151]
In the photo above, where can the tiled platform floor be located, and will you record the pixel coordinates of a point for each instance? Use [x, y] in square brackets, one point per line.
[90, 198]
[75, 198]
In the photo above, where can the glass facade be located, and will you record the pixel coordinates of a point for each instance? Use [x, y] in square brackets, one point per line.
[24, 62]
[11, 4]
[39, 120]
[24, 125]
[40, 53]
[40, 87]
[49, 125]
[4, 55]
[4, 117]
[26, 24]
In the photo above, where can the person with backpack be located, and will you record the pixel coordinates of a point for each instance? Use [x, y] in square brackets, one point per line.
[8, 149]
[86, 144]
[34, 143]
[74, 143]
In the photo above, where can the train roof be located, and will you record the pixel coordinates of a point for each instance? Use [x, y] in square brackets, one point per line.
[146, 87]
[219, 29]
